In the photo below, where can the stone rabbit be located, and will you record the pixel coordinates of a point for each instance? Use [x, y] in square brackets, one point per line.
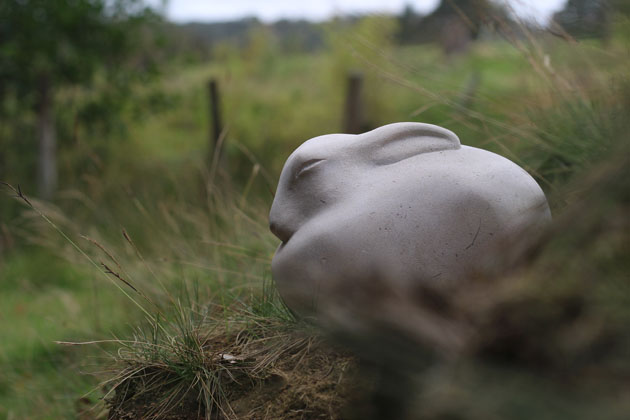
[402, 205]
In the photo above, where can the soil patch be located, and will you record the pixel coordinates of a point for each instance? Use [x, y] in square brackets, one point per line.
[310, 380]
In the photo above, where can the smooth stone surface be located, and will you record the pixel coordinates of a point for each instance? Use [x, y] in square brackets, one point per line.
[403, 205]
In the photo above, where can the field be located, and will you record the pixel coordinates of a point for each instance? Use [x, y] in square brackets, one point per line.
[148, 245]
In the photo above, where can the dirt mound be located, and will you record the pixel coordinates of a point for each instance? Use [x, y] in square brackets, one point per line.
[310, 380]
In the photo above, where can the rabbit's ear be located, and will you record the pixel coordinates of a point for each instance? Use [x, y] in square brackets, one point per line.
[395, 142]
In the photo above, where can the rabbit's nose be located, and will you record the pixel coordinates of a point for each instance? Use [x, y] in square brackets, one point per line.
[280, 231]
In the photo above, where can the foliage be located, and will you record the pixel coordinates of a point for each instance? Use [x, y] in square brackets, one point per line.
[66, 43]
[584, 18]
[65, 64]
[469, 17]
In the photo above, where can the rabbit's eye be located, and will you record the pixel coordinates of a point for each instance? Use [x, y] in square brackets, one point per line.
[307, 166]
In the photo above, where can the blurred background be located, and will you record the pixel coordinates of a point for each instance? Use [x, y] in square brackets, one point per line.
[141, 143]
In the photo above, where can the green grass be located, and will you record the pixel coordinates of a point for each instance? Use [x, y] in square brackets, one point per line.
[45, 299]
[194, 256]
[301, 96]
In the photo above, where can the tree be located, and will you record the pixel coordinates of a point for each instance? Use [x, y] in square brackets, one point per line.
[584, 18]
[47, 45]
[409, 26]
[453, 24]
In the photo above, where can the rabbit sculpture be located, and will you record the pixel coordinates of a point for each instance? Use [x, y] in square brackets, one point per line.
[402, 205]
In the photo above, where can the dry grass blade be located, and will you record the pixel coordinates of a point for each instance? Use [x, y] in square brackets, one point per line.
[22, 196]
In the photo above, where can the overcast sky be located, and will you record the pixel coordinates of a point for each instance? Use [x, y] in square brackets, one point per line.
[271, 10]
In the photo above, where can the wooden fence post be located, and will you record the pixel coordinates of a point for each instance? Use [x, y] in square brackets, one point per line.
[353, 122]
[215, 125]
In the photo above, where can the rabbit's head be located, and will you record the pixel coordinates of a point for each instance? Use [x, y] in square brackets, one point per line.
[401, 204]
[326, 170]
